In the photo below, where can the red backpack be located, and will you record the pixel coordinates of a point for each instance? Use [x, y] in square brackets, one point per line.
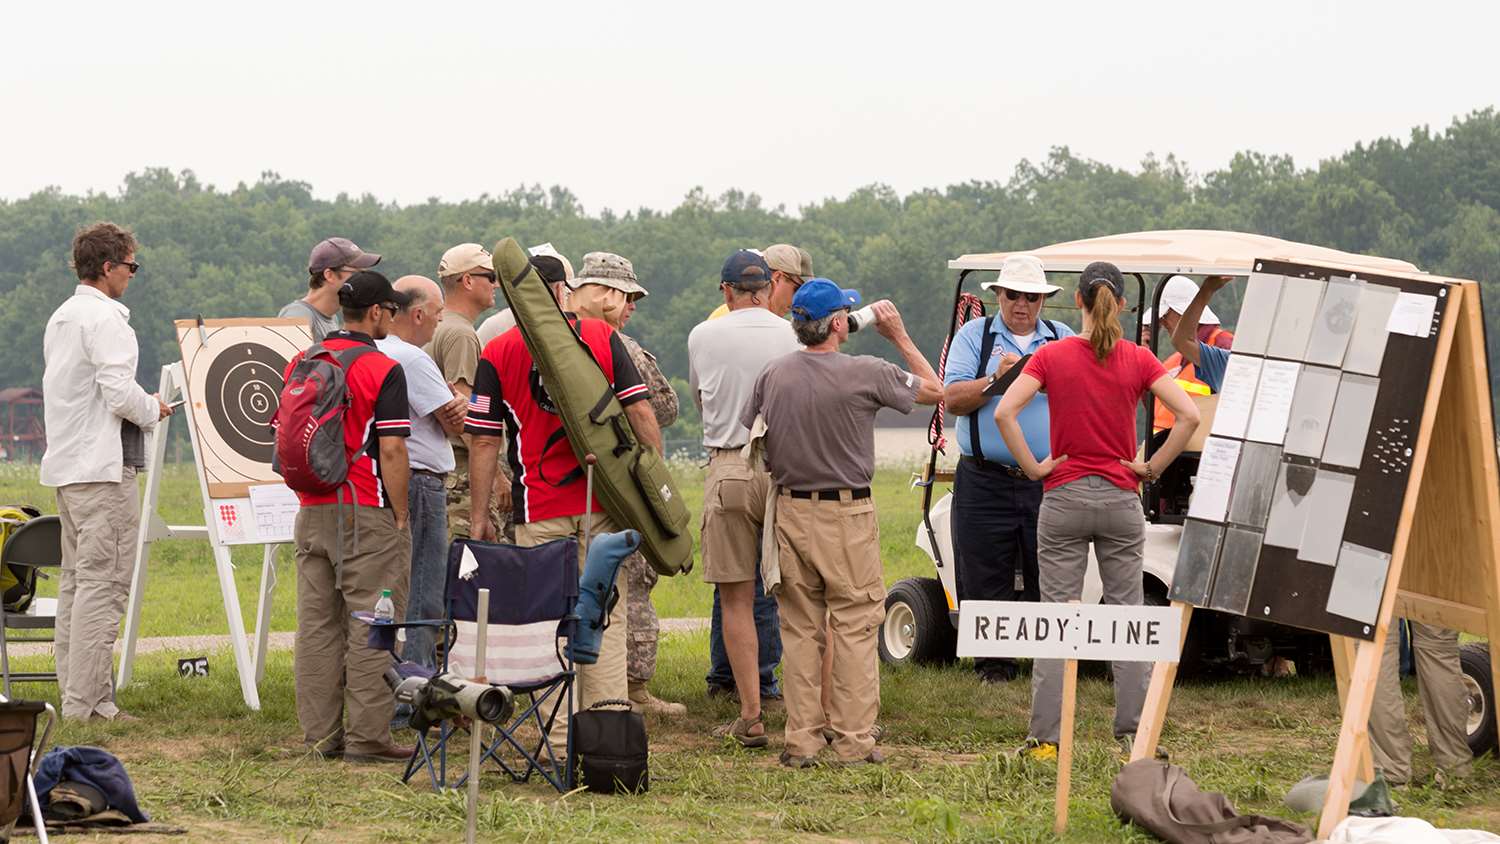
[311, 455]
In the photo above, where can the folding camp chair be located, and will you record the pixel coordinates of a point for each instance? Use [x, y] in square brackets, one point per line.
[19, 751]
[533, 592]
[36, 544]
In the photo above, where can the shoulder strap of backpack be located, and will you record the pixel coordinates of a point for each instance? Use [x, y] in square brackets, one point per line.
[986, 345]
[347, 357]
[1052, 327]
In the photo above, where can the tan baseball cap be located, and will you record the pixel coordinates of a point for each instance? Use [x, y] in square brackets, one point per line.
[789, 259]
[465, 258]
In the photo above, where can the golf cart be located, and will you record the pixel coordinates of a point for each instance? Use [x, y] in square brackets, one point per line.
[922, 612]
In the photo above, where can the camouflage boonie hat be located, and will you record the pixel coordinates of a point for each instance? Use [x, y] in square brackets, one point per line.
[610, 270]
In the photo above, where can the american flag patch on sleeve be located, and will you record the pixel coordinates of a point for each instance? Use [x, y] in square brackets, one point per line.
[479, 404]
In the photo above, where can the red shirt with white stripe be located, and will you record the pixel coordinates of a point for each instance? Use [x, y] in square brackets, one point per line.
[510, 399]
[377, 408]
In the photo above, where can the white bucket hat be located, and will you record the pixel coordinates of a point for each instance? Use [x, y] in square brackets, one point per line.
[1023, 274]
[1176, 294]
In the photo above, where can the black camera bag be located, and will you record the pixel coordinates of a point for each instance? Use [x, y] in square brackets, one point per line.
[610, 749]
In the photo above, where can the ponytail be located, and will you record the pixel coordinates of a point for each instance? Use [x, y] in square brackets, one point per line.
[1104, 322]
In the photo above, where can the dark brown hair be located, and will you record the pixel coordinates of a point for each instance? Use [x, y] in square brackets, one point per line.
[97, 244]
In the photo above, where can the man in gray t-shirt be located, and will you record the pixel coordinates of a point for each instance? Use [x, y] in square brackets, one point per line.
[819, 408]
[329, 265]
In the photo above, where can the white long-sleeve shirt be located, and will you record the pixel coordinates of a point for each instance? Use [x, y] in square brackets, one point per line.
[88, 387]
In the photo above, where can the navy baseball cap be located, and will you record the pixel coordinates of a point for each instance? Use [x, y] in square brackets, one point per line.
[820, 297]
[746, 267]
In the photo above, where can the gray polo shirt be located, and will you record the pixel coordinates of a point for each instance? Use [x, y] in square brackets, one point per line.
[426, 391]
[725, 356]
[320, 325]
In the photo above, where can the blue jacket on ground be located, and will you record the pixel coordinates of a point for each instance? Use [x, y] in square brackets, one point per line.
[92, 766]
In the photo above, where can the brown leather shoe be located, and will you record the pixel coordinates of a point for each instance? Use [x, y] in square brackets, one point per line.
[388, 753]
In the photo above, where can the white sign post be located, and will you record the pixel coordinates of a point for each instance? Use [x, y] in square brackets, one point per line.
[1070, 632]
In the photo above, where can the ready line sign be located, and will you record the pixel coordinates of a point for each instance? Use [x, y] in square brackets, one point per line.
[1069, 631]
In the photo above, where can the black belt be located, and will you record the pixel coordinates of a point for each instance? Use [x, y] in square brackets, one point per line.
[429, 473]
[829, 494]
[991, 466]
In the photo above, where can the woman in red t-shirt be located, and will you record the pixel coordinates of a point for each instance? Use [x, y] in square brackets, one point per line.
[1094, 382]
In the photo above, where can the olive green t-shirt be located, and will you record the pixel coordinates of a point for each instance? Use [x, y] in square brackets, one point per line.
[455, 348]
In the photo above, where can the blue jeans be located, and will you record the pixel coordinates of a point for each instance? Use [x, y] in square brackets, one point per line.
[429, 564]
[767, 631]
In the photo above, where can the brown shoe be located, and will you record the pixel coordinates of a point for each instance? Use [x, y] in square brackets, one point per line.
[875, 757]
[641, 700]
[739, 730]
[791, 761]
[388, 753]
[876, 731]
[120, 715]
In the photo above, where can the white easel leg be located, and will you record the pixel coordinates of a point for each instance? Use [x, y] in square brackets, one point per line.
[263, 612]
[155, 458]
[237, 638]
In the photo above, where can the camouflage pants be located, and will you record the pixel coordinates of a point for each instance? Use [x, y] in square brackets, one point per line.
[457, 487]
[642, 625]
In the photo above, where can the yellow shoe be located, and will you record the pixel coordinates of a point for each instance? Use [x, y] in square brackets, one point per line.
[1038, 751]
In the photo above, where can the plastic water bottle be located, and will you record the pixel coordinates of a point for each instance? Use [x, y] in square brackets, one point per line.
[385, 608]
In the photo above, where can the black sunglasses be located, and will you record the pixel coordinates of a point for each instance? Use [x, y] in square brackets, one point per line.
[134, 267]
[490, 277]
[1013, 295]
[391, 308]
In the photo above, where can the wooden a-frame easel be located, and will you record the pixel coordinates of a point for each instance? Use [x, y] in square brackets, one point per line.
[1445, 565]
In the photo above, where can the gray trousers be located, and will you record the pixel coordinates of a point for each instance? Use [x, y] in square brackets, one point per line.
[1089, 510]
[1444, 702]
[99, 524]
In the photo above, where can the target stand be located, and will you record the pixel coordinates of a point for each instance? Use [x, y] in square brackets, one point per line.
[230, 380]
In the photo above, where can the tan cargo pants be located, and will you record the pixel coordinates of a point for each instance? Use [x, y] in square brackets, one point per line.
[99, 526]
[1444, 703]
[334, 670]
[830, 577]
[605, 679]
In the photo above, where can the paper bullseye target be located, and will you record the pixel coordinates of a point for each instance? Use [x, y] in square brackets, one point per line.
[234, 386]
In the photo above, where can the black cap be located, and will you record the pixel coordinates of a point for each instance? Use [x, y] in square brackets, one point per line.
[367, 288]
[1097, 273]
[549, 268]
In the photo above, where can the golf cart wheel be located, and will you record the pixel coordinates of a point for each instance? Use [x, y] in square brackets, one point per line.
[1479, 688]
[916, 628]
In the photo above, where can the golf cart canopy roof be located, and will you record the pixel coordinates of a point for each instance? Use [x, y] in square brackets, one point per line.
[1187, 251]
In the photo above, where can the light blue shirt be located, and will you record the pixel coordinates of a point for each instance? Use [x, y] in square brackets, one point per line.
[1212, 361]
[963, 365]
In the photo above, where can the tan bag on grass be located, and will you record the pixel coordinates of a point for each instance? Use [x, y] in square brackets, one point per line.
[1162, 800]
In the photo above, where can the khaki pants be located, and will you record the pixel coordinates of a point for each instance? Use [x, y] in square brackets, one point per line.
[334, 670]
[830, 579]
[1440, 682]
[605, 679]
[99, 526]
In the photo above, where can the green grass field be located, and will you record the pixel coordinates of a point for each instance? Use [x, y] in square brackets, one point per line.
[203, 762]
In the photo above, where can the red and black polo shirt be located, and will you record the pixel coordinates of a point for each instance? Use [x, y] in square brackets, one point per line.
[377, 408]
[510, 398]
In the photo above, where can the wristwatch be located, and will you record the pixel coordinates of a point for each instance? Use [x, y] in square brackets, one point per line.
[1150, 473]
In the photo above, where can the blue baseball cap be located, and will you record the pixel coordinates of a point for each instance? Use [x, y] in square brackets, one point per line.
[819, 297]
[746, 267]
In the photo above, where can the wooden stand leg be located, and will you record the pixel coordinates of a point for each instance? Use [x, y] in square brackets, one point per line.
[1065, 745]
[263, 612]
[1343, 663]
[1159, 694]
[1354, 733]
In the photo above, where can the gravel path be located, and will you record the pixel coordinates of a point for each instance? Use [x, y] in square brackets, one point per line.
[279, 641]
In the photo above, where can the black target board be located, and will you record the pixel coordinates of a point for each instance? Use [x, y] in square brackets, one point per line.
[234, 370]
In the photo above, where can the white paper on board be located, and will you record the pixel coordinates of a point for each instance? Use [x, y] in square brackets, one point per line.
[1358, 583]
[1273, 401]
[234, 521]
[1214, 479]
[1257, 313]
[275, 511]
[1412, 315]
[1236, 396]
[1371, 331]
[1327, 510]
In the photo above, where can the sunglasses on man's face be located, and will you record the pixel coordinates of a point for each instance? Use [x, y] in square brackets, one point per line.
[490, 277]
[390, 307]
[1013, 295]
[134, 267]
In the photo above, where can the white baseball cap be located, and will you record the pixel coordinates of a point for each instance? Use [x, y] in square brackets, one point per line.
[1176, 294]
[1023, 274]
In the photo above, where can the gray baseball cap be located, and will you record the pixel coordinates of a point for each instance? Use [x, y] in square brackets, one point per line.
[334, 252]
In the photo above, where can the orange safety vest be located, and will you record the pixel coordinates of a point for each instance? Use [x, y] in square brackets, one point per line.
[1187, 379]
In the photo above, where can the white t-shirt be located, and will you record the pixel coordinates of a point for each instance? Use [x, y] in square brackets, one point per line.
[725, 356]
[1023, 340]
[426, 391]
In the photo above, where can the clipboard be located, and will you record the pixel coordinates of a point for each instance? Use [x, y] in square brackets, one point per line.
[999, 385]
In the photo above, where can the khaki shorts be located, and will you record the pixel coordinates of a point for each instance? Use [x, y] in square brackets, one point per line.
[734, 506]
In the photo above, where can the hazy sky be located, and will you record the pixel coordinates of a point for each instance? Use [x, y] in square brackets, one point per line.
[634, 103]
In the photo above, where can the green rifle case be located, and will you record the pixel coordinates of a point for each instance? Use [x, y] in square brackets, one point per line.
[631, 480]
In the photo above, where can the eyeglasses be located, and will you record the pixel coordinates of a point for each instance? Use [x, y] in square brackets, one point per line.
[390, 308]
[490, 277]
[134, 267]
[1013, 295]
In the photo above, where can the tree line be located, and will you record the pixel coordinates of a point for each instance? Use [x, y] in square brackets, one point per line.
[1432, 198]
